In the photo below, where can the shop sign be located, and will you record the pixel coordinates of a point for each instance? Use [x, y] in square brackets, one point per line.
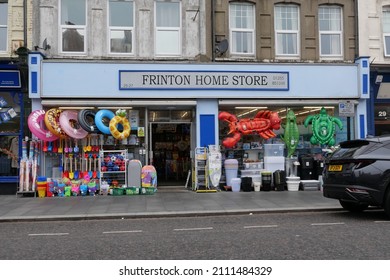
[198, 80]
[10, 79]
[346, 109]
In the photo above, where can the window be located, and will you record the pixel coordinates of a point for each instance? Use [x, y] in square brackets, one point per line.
[242, 28]
[73, 26]
[121, 24]
[331, 31]
[168, 29]
[287, 30]
[386, 29]
[3, 25]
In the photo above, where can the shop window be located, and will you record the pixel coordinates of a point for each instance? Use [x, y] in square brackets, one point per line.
[242, 28]
[3, 25]
[287, 30]
[73, 26]
[168, 29]
[331, 31]
[121, 25]
[386, 29]
[10, 112]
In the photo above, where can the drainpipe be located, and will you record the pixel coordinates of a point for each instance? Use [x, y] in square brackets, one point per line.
[213, 30]
[25, 23]
[356, 29]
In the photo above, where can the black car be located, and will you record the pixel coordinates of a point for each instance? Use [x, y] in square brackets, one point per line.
[358, 174]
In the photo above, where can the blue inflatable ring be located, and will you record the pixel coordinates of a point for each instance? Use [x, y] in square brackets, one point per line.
[100, 116]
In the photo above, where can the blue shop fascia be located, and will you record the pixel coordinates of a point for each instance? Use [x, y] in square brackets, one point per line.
[199, 92]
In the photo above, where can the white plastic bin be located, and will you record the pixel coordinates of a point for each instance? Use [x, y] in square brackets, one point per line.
[236, 184]
[231, 170]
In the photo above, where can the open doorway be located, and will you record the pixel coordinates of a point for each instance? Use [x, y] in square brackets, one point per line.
[171, 146]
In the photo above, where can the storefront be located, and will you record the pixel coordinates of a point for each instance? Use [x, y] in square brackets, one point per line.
[379, 121]
[11, 126]
[174, 108]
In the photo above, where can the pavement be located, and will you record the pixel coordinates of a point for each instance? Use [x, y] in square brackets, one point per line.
[166, 202]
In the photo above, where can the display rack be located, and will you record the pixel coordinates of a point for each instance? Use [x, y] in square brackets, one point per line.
[200, 170]
[113, 167]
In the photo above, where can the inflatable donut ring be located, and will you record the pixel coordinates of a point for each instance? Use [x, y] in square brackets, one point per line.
[100, 115]
[69, 123]
[34, 124]
[114, 123]
[52, 121]
[86, 119]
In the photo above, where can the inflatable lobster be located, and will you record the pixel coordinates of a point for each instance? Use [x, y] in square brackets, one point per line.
[263, 124]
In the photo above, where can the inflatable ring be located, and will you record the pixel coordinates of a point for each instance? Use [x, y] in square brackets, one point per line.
[86, 119]
[69, 123]
[114, 123]
[100, 115]
[52, 121]
[34, 124]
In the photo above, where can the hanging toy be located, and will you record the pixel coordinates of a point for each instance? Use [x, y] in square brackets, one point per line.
[291, 133]
[120, 118]
[323, 127]
[263, 124]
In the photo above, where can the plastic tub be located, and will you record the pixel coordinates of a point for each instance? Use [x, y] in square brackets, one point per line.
[236, 184]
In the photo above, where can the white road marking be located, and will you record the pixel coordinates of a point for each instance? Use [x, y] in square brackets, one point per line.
[188, 229]
[327, 224]
[381, 221]
[121, 231]
[48, 234]
[263, 226]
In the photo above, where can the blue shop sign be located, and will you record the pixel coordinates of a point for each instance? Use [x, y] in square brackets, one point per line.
[10, 79]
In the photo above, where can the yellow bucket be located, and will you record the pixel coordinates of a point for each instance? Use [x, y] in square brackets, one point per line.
[41, 191]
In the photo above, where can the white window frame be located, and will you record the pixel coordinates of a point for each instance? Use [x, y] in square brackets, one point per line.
[386, 33]
[232, 30]
[331, 32]
[287, 31]
[64, 27]
[120, 28]
[160, 29]
[5, 26]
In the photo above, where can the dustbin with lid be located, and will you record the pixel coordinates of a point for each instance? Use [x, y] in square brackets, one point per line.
[231, 170]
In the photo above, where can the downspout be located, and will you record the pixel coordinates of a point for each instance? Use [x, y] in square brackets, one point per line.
[25, 23]
[213, 30]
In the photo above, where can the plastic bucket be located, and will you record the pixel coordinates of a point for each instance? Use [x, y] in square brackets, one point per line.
[236, 184]
[256, 186]
[41, 191]
[293, 185]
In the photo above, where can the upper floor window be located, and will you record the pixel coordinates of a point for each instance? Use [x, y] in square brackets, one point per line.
[121, 24]
[386, 29]
[3, 25]
[287, 30]
[242, 28]
[168, 29]
[331, 31]
[73, 26]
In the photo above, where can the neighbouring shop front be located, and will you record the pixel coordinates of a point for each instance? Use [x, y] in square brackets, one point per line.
[379, 121]
[175, 109]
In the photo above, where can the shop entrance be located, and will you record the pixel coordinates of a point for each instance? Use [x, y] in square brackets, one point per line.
[171, 145]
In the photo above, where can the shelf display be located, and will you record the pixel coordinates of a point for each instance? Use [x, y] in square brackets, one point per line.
[112, 167]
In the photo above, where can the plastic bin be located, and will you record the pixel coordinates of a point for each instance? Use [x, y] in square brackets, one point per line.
[231, 170]
[266, 180]
[236, 184]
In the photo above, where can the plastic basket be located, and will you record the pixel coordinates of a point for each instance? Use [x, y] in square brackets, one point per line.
[117, 191]
[132, 191]
[148, 191]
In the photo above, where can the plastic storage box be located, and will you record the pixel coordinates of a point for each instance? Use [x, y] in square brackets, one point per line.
[273, 150]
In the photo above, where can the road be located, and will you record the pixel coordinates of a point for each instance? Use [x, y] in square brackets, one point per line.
[334, 235]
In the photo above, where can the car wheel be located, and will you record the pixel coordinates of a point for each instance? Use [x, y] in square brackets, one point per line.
[387, 204]
[353, 206]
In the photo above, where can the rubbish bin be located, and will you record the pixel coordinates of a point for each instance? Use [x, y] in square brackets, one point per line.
[266, 181]
[231, 170]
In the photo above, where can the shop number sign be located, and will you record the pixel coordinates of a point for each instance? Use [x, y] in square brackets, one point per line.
[382, 113]
[346, 109]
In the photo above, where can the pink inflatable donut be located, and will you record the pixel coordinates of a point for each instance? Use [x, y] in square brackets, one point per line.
[34, 124]
[69, 124]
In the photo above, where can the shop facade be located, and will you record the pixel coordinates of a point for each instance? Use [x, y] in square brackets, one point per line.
[174, 108]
